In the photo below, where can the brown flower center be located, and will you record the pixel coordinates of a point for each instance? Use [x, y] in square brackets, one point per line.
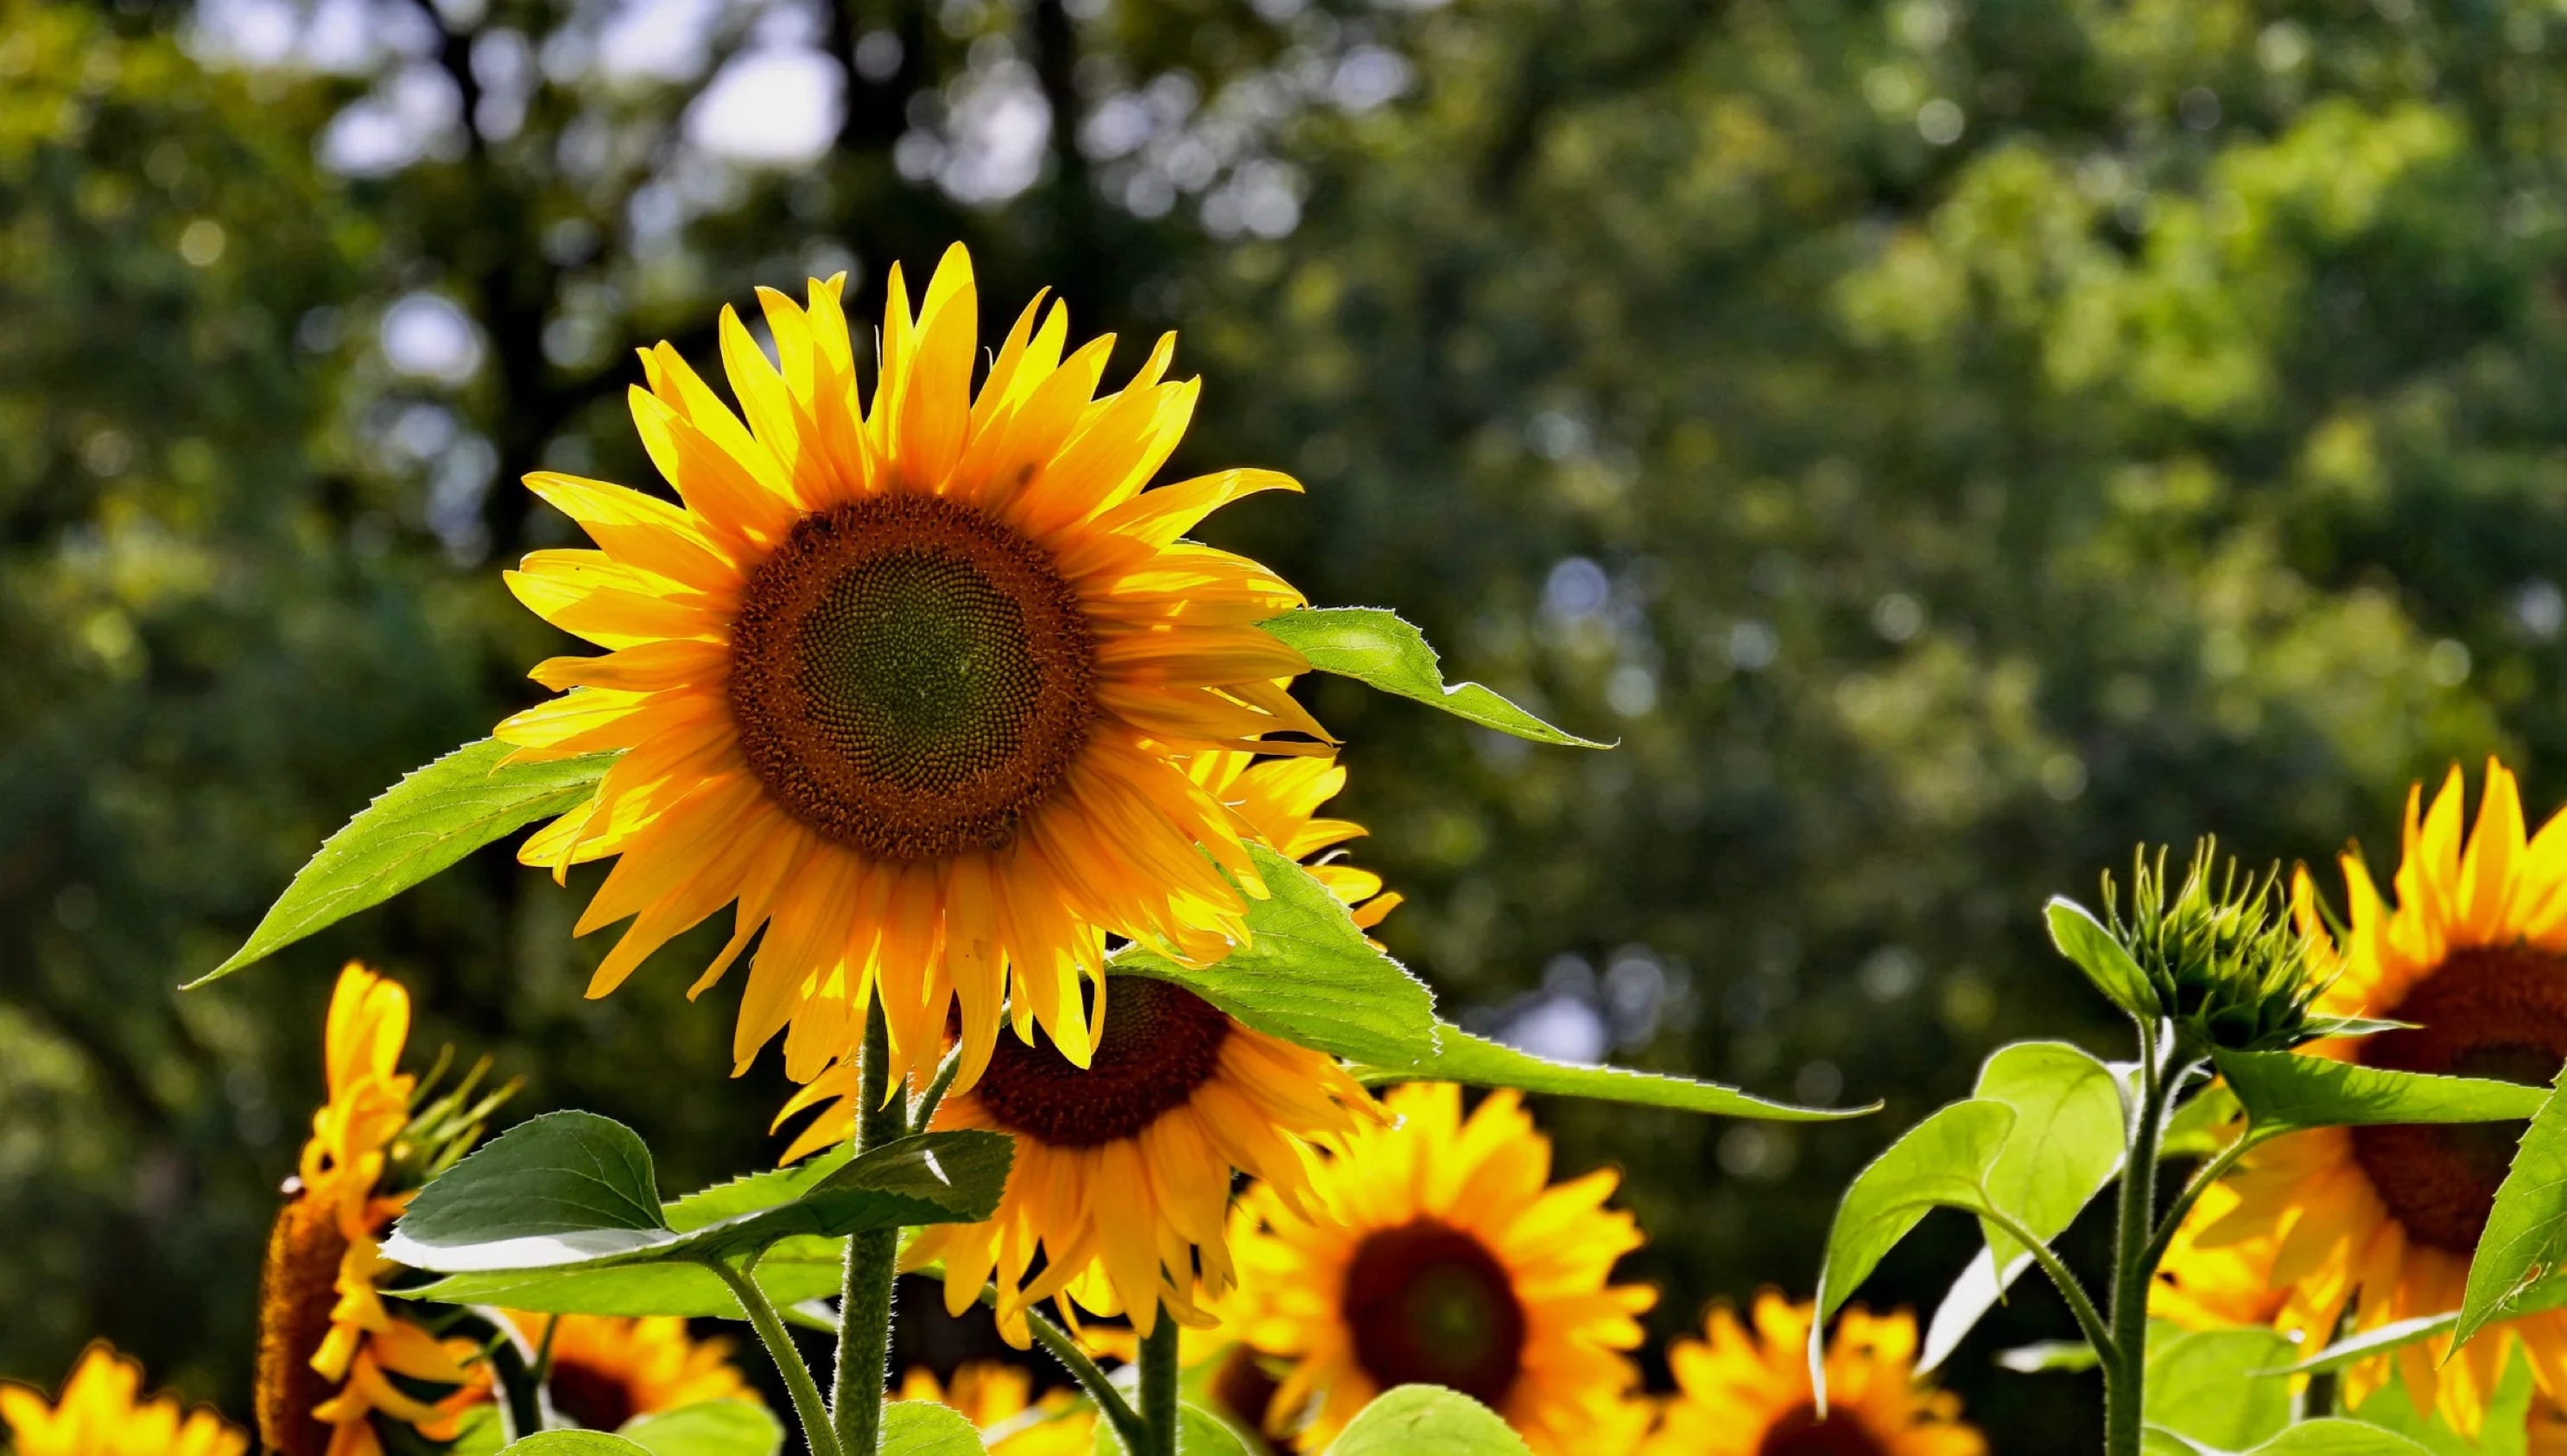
[297, 1288]
[2485, 1013]
[909, 677]
[1158, 1043]
[1429, 1304]
[1803, 1432]
[600, 1401]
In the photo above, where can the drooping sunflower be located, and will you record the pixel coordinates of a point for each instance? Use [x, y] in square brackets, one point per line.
[909, 684]
[329, 1343]
[605, 1370]
[101, 1412]
[2384, 1219]
[999, 1400]
[1748, 1393]
[1437, 1250]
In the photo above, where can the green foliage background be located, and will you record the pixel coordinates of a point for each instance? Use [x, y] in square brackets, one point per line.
[1944, 442]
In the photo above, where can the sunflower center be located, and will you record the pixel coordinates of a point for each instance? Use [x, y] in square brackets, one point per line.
[909, 677]
[297, 1288]
[1802, 1431]
[597, 1400]
[1429, 1304]
[1157, 1044]
[2485, 1013]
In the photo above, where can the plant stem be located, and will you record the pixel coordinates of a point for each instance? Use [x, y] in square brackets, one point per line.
[807, 1409]
[864, 1309]
[2208, 1173]
[2098, 1334]
[934, 1097]
[1159, 1384]
[1056, 1344]
[2125, 1366]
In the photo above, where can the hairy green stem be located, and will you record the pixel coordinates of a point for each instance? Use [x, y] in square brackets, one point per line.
[760, 1310]
[1159, 1384]
[864, 1309]
[2125, 1369]
[2208, 1173]
[934, 1097]
[2088, 1322]
[1056, 1343]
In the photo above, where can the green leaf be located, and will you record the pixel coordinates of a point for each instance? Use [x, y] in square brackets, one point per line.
[1199, 1433]
[2049, 1357]
[1427, 1420]
[561, 1174]
[574, 1443]
[924, 1428]
[2201, 1126]
[707, 1428]
[1938, 1163]
[2526, 1231]
[792, 1271]
[1376, 648]
[2199, 1387]
[1479, 1063]
[1308, 975]
[418, 826]
[2502, 1429]
[2354, 1349]
[2064, 1148]
[2335, 1437]
[2084, 940]
[480, 1431]
[2283, 1091]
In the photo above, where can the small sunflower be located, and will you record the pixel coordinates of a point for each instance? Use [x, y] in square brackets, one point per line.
[2384, 1220]
[1436, 1250]
[605, 1370]
[997, 1399]
[101, 1412]
[2215, 1287]
[328, 1346]
[1278, 801]
[910, 685]
[1743, 1393]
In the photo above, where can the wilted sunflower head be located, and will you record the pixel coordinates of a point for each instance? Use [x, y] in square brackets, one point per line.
[2230, 966]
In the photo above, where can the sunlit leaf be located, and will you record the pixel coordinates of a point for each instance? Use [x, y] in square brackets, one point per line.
[1376, 648]
[924, 1428]
[2284, 1090]
[2526, 1230]
[1479, 1063]
[2084, 940]
[2049, 1357]
[2199, 1387]
[418, 826]
[1427, 1420]
[2336, 1437]
[574, 1443]
[707, 1428]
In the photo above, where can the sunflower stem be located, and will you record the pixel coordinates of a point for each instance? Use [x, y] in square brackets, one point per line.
[864, 1311]
[1159, 1384]
[2133, 1239]
[780, 1349]
[1099, 1387]
[934, 1097]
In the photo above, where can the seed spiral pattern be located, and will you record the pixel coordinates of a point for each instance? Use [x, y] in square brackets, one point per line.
[1158, 1043]
[909, 677]
[1429, 1304]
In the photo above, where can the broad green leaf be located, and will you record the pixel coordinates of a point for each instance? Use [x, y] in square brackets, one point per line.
[2526, 1230]
[2339, 1438]
[2049, 1357]
[937, 1177]
[1938, 1163]
[2283, 1091]
[794, 1270]
[924, 1428]
[2502, 1429]
[1199, 1433]
[574, 1443]
[707, 1428]
[561, 1174]
[2065, 1147]
[1427, 1420]
[480, 1431]
[2202, 1125]
[2354, 1349]
[1308, 975]
[2084, 940]
[1479, 1063]
[418, 826]
[2199, 1387]
[1376, 648]
[2154, 1442]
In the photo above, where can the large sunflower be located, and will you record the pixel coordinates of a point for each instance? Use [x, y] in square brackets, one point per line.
[909, 684]
[101, 1412]
[329, 1345]
[2213, 1288]
[997, 1399]
[1749, 1395]
[1436, 1250]
[2384, 1219]
[604, 1371]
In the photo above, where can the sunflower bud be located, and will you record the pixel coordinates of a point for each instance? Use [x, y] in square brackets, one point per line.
[2229, 967]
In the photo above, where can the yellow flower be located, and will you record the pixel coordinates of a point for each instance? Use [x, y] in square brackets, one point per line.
[2214, 1288]
[996, 1398]
[2384, 1219]
[1748, 1394]
[909, 686]
[2546, 1434]
[101, 1413]
[1436, 1250]
[607, 1370]
[1122, 1174]
[1279, 799]
[327, 1341]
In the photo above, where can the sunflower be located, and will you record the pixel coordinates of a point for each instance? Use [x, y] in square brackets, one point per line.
[2211, 1289]
[2384, 1220]
[2546, 1433]
[328, 1343]
[101, 1412]
[1279, 799]
[1436, 1250]
[1748, 1394]
[604, 1371]
[999, 1400]
[911, 685]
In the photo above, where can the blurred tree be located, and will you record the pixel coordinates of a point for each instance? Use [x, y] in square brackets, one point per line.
[1947, 442]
